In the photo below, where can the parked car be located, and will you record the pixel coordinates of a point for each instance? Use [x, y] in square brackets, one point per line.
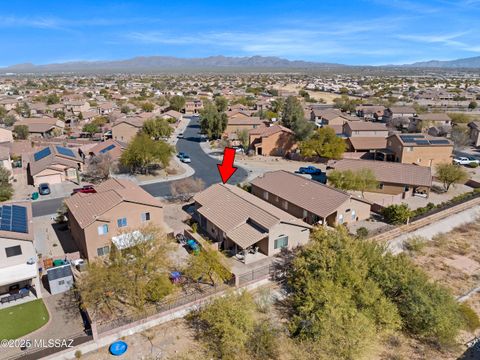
[86, 189]
[185, 159]
[181, 155]
[44, 189]
[463, 160]
[239, 150]
[311, 170]
[180, 136]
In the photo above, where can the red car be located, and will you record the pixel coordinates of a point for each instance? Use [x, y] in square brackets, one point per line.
[86, 189]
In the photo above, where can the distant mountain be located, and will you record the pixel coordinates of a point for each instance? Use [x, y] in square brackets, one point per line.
[168, 63]
[467, 63]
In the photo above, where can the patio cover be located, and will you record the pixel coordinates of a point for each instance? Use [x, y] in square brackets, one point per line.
[16, 273]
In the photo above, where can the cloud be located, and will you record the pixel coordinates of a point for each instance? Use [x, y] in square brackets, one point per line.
[33, 22]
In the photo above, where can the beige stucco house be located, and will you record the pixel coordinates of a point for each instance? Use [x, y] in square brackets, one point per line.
[118, 209]
[309, 200]
[238, 221]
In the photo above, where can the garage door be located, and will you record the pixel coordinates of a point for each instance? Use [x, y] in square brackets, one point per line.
[49, 179]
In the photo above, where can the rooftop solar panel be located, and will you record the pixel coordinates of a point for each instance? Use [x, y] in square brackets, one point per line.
[39, 155]
[422, 142]
[439, 142]
[108, 148]
[13, 218]
[65, 151]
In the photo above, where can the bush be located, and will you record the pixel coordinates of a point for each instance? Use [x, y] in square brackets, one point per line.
[194, 227]
[415, 244]
[362, 232]
[397, 214]
[470, 317]
[473, 165]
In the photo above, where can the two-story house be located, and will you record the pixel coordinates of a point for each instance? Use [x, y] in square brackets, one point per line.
[100, 220]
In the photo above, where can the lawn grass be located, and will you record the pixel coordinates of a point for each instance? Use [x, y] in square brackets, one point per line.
[19, 320]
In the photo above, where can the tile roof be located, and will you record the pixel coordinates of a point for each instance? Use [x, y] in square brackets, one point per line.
[54, 158]
[86, 208]
[434, 117]
[390, 172]
[239, 213]
[365, 126]
[266, 131]
[368, 142]
[253, 120]
[310, 195]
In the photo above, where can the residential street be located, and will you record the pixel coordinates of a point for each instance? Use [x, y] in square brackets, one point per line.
[205, 168]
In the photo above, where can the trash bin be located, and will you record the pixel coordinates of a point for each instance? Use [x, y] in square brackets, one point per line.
[35, 196]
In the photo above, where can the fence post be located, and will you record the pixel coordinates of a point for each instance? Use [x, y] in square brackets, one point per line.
[93, 327]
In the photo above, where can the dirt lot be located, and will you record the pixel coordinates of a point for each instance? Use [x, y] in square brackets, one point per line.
[317, 95]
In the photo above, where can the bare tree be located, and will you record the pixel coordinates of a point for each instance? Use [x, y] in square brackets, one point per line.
[98, 168]
[186, 188]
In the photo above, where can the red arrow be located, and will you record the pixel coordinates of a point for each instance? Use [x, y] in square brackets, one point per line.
[226, 168]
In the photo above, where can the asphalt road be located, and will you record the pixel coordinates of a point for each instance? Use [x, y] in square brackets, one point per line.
[205, 168]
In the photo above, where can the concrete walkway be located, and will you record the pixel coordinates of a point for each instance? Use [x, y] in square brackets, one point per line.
[445, 225]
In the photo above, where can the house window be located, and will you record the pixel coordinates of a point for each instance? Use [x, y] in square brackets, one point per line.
[122, 222]
[103, 250]
[354, 215]
[380, 186]
[340, 219]
[13, 251]
[145, 216]
[102, 229]
[281, 242]
[285, 204]
[61, 282]
[265, 195]
[410, 148]
[406, 188]
[305, 213]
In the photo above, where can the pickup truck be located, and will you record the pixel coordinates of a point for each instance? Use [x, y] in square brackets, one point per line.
[463, 160]
[311, 170]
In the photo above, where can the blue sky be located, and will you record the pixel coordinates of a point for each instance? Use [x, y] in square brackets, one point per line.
[350, 32]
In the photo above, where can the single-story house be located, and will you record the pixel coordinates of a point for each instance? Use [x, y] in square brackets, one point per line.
[239, 221]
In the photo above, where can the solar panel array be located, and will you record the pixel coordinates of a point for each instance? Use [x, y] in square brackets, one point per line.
[65, 151]
[108, 148]
[421, 140]
[13, 218]
[39, 155]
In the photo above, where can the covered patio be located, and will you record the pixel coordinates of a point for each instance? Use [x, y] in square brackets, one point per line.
[19, 284]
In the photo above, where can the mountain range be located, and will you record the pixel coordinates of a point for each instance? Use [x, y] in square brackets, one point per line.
[214, 63]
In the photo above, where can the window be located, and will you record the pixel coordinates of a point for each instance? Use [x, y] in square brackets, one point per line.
[103, 250]
[305, 213]
[102, 229]
[281, 242]
[265, 195]
[380, 186]
[145, 216]
[285, 204]
[61, 282]
[406, 188]
[13, 251]
[122, 222]
[354, 215]
[410, 148]
[340, 219]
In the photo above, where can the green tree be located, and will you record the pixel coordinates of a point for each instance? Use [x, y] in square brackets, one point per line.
[208, 264]
[8, 120]
[177, 102]
[91, 128]
[222, 103]
[277, 105]
[473, 105]
[450, 174]
[292, 112]
[397, 213]
[226, 325]
[157, 128]
[52, 99]
[212, 122]
[346, 104]
[129, 278]
[143, 152]
[323, 143]
[6, 189]
[244, 138]
[21, 132]
[147, 106]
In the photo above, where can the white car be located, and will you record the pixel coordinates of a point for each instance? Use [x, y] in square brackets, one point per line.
[463, 160]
